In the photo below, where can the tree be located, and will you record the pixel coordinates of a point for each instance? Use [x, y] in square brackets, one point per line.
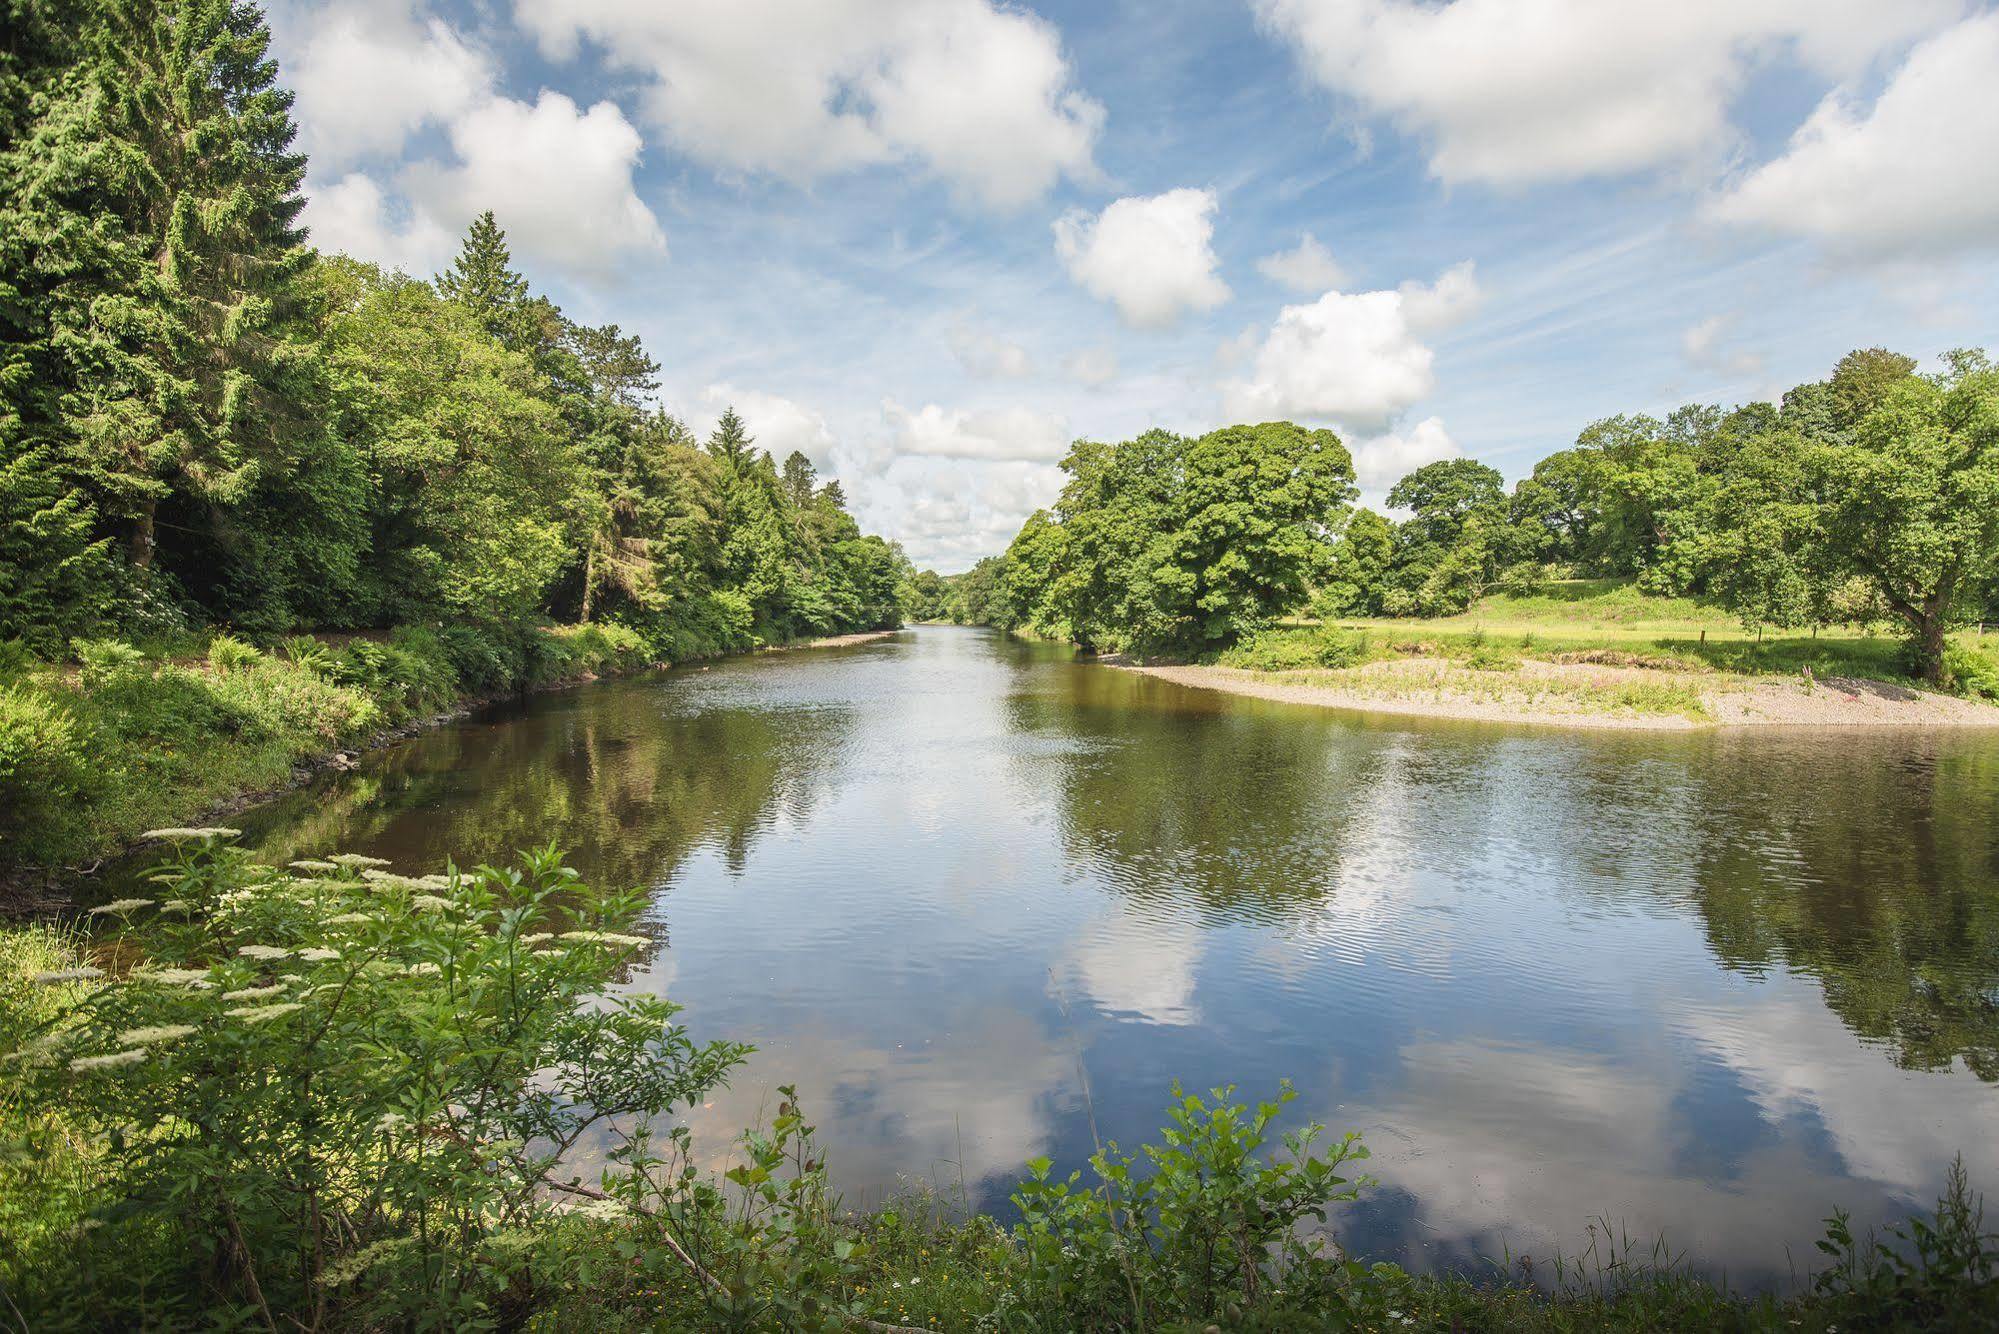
[194, 373]
[1357, 569]
[800, 480]
[482, 279]
[1913, 502]
[731, 441]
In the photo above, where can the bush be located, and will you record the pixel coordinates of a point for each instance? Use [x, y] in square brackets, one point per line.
[105, 661]
[355, 1090]
[1210, 1231]
[44, 762]
[310, 653]
[1970, 672]
[227, 654]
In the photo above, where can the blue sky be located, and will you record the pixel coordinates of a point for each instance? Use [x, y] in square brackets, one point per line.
[931, 241]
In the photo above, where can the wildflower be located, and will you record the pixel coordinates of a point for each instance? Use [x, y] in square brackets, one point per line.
[173, 977]
[390, 880]
[164, 877]
[254, 993]
[257, 1014]
[435, 881]
[537, 937]
[318, 954]
[354, 860]
[176, 906]
[352, 919]
[421, 970]
[177, 834]
[605, 938]
[391, 1121]
[58, 975]
[123, 906]
[264, 952]
[109, 1061]
[430, 903]
[308, 864]
[156, 1033]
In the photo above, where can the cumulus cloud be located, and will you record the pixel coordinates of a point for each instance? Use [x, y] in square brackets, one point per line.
[978, 92]
[1353, 358]
[354, 216]
[987, 355]
[1151, 256]
[1703, 345]
[1505, 93]
[778, 424]
[1306, 267]
[558, 177]
[1004, 434]
[1903, 177]
[1383, 460]
[366, 82]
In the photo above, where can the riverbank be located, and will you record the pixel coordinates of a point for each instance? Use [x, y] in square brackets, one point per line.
[1587, 695]
[93, 755]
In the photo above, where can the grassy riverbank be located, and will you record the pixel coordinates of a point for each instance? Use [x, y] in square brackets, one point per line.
[344, 1097]
[128, 738]
[1600, 652]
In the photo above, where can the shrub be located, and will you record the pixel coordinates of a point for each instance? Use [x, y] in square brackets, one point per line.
[44, 762]
[308, 652]
[355, 1090]
[1970, 672]
[1344, 648]
[105, 661]
[228, 654]
[1210, 1231]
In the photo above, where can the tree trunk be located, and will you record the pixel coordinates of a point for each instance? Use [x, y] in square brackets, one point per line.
[589, 578]
[1929, 649]
[140, 549]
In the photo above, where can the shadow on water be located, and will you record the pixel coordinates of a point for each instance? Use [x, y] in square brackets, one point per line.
[1710, 985]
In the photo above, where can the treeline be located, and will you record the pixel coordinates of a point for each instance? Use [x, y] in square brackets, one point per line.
[1870, 496]
[204, 421]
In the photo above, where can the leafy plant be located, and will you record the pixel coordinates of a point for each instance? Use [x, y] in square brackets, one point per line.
[228, 654]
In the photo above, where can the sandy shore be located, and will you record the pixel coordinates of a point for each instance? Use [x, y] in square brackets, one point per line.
[834, 641]
[1578, 695]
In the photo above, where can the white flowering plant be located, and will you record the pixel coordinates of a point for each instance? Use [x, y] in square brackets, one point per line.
[310, 1093]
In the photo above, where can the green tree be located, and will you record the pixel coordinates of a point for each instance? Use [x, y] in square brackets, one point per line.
[1357, 569]
[482, 279]
[1912, 504]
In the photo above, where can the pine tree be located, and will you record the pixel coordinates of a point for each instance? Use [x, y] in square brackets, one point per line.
[189, 367]
[800, 479]
[483, 280]
[54, 571]
[731, 441]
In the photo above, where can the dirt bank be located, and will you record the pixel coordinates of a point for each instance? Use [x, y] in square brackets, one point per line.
[1588, 695]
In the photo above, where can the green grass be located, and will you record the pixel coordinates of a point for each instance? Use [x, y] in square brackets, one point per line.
[1620, 625]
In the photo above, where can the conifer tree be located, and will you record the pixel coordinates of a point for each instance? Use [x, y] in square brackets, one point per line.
[483, 280]
[189, 366]
[731, 441]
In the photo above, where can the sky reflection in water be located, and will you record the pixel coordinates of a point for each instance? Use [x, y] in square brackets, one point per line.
[1710, 986]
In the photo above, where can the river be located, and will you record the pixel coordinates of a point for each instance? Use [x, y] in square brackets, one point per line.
[974, 896]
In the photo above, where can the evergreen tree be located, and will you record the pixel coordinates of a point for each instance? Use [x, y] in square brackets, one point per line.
[731, 441]
[483, 280]
[800, 480]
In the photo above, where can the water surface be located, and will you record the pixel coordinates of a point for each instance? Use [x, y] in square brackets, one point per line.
[1707, 986]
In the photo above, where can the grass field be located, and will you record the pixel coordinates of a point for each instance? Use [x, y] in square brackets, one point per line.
[1612, 616]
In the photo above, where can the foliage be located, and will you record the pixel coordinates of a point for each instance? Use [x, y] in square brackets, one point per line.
[1176, 545]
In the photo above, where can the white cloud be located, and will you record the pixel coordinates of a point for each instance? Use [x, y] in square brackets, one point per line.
[354, 216]
[1354, 358]
[1004, 434]
[1383, 460]
[366, 82]
[1910, 176]
[1703, 347]
[1307, 267]
[1092, 366]
[987, 355]
[777, 423]
[1505, 92]
[1148, 255]
[558, 178]
[977, 92]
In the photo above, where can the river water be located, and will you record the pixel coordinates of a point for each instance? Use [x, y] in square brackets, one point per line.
[974, 896]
